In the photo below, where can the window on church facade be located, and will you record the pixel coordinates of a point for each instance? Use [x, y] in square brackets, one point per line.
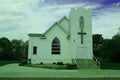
[81, 22]
[34, 50]
[55, 46]
[81, 25]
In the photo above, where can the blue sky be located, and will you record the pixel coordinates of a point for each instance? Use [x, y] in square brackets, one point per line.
[20, 17]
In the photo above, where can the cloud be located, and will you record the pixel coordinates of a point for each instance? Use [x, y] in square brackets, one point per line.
[106, 22]
[12, 12]
[20, 17]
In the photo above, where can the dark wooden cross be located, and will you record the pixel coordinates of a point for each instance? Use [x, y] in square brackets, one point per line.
[82, 34]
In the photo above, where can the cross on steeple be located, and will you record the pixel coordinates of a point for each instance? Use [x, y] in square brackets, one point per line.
[82, 34]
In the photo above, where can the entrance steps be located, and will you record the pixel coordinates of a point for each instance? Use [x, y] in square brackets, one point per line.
[85, 63]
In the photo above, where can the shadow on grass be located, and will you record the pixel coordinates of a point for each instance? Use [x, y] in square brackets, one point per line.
[4, 62]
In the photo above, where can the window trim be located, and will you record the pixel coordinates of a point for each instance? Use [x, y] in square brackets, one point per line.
[81, 22]
[55, 47]
[34, 50]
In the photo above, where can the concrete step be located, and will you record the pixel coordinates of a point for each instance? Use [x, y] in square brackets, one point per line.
[86, 63]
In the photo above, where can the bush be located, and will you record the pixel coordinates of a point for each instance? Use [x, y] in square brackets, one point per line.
[23, 62]
[71, 66]
[29, 61]
[60, 63]
[54, 63]
[41, 63]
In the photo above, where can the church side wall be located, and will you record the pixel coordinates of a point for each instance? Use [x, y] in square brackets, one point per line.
[44, 47]
[33, 41]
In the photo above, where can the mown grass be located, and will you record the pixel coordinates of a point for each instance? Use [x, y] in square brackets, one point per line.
[15, 72]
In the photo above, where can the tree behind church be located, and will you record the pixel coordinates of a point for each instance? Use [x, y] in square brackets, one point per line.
[107, 50]
[13, 50]
[5, 49]
[97, 45]
[19, 49]
[111, 48]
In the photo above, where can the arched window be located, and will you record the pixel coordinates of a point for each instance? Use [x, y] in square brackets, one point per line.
[55, 46]
[81, 22]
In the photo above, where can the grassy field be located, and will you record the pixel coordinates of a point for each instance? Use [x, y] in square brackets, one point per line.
[15, 72]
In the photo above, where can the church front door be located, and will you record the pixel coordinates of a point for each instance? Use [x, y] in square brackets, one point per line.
[81, 52]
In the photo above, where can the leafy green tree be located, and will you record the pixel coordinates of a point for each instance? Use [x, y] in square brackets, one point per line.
[5, 49]
[115, 57]
[25, 50]
[106, 49]
[17, 48]
[119, 30]
[13, 50]
[111, 49]
[97, 44]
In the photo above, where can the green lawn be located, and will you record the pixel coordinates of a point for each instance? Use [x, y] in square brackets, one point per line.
[13, 70]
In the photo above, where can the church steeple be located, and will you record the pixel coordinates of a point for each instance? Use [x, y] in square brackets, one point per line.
[80, 31]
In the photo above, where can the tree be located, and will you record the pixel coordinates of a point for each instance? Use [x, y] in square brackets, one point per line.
[106, 49]
[119, 30]
[17, 49]
[116, 51]
[25, 51]
[5, 49]
[111, 49]
[13, 50]
[97, 44]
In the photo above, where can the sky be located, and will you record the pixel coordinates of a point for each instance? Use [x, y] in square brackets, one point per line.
[18, 18]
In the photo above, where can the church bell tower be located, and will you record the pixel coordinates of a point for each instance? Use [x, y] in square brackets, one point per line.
[81, 33]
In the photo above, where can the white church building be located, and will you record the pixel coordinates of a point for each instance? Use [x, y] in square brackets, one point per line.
[65, 41]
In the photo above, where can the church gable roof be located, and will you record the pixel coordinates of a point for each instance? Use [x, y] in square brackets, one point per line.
[50, 28]
[63, 18]
[64, 23]
[60, 25]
